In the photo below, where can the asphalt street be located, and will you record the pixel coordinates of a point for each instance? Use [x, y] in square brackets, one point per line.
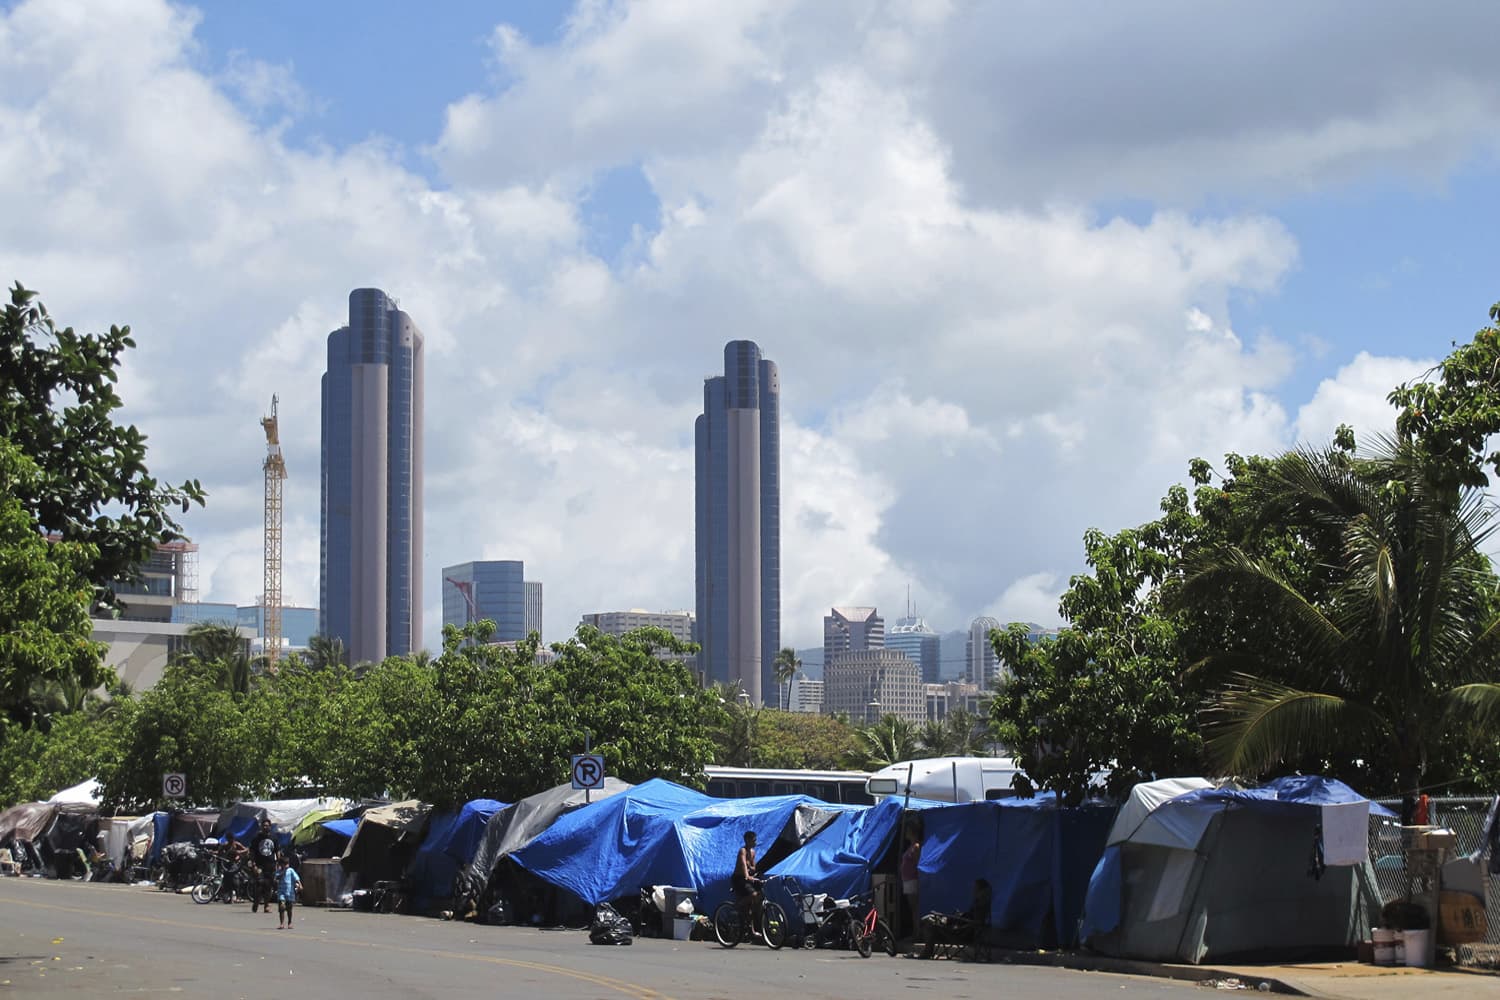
[75, 939]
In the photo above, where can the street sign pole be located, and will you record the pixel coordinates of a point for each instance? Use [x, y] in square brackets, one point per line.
[588, 740]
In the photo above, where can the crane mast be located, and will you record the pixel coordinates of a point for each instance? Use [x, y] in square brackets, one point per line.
[275, 469]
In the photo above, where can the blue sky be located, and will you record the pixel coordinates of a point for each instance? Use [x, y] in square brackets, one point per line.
[1016, 270]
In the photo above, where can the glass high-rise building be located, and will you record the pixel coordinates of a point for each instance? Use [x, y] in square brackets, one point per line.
[370, 591]
[738, 522]
[496, 589]
[912, 636]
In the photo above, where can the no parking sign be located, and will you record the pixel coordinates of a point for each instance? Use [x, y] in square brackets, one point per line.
[588, 771]
[173, 786]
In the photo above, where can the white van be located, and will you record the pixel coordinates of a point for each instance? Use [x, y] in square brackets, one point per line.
[947, 779]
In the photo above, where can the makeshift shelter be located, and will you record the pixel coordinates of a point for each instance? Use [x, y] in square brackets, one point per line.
[194, 825]
[125, 838]
[452, 838]
[657, 833]
[241, 820]
[1035, 854]
[1209, 874]
[385, 840]
[518, 824]
[837, 858]
[26, 821]
[73, 826]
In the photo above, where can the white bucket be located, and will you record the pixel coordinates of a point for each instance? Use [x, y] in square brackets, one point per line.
[1417, 945]
[1385, 946]
[682, 929]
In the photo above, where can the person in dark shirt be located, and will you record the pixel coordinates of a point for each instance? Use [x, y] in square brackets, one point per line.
[263, 854]
[745, 882]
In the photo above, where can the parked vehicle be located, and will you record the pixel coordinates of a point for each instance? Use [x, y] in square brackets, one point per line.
[947, 779]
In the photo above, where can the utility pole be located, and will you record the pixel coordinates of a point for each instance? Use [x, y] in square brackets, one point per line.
[275, 469]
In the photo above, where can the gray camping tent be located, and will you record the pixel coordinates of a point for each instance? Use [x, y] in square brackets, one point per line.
[1193, 874]
[518, 824]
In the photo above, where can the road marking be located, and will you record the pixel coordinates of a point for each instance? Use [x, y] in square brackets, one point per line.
[608, 982]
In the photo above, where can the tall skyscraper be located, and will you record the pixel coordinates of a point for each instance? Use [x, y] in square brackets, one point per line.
[851, 630]
[911, 635]
[984, 665]
[370, 591]
[738, 522]
[496, 589]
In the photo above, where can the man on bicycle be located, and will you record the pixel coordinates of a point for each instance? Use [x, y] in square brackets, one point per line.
[745, 883]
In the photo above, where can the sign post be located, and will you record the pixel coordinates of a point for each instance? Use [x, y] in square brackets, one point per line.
[588, 770]
[173, 786]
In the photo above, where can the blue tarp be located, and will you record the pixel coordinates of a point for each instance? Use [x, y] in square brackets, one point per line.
[161, 825]
[342, 827]
[837, 859]
[658, 833]
[1036, 857]
[450, 844]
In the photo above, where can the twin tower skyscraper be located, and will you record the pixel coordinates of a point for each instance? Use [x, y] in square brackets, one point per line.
[370, 590]
[738, 522]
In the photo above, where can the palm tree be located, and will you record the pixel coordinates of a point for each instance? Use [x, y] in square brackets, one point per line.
[221, 652]
[786, 666]
[1399, 640]
[324, 651]
[886, 742]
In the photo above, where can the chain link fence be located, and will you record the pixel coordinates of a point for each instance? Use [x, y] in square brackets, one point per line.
[1465, 817]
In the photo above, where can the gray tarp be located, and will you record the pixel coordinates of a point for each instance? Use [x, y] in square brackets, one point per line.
[27, 821]
[518, 824]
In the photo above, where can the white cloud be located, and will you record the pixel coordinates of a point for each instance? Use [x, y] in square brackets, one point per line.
[1356, 396]
[972, 373]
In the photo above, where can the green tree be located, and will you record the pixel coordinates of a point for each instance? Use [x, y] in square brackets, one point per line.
[1403, 637]
[796, 740]
[45, 633]
[222, 653]
[57, 406]
[959, 734]
[786, 667]
[1456, 418]
[325, 651]
[890, 740]
[185, 724]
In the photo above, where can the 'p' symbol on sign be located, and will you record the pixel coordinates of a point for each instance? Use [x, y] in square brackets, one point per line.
[588, 770]
[173, 786]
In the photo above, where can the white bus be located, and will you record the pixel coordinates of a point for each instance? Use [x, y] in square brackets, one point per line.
[841, 787]
[947, 779]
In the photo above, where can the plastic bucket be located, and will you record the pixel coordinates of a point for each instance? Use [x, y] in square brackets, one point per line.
[1417, 945]
[1385, 946]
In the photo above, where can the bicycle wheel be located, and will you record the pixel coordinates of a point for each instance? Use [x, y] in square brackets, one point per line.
[203, 892]
[862, 942]
[773, 925]
[885, 939]
[727, 924]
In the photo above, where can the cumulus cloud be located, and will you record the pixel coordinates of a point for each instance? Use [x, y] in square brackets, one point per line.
[977, 362]
[1356, 395]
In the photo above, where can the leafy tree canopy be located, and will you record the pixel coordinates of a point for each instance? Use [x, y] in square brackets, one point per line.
[57, 407]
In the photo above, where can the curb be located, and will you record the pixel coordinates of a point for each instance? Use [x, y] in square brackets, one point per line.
[1154, 970]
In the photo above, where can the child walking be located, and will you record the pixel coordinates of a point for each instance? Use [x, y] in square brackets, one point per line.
[288, 885]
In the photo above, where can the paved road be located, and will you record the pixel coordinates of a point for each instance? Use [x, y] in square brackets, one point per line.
[69, 938]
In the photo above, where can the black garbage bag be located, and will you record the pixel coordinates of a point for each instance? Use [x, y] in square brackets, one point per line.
[609, 927]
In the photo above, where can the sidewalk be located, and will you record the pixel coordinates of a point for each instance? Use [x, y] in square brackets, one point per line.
[1335, 980]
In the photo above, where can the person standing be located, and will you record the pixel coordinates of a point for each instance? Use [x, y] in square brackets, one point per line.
[263, 854]
[288, 886]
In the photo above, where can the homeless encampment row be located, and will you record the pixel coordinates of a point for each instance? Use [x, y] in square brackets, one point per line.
[452, 838]
[1194, 873]
[660, 833]
[286, 815]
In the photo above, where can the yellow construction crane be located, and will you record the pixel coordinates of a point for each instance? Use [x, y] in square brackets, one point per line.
[275, 469]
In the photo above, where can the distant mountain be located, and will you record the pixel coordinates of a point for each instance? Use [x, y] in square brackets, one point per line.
[812, 662]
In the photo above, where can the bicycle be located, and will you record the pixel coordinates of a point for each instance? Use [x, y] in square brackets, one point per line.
[222, 885]
[873, 932]
[854, 923]
[732, 923]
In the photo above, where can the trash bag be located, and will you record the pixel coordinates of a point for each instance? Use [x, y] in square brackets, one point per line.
[609, 927]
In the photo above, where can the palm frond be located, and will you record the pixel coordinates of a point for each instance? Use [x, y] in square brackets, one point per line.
[1233, 566]
[1476, 703]
[1256, 724]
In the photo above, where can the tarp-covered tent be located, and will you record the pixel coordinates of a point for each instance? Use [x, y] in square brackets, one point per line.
[26, 821]
[125, 836]
[1216, 873]
[1035, 855]
[241, 820]
[837, 858]
[452, 838]
[73, 826]
[657, 833]
[193, 825]
[518, 824]
[309, 828]
[385, 840]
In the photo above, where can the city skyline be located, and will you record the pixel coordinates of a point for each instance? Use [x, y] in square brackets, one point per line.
[1011, 299]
